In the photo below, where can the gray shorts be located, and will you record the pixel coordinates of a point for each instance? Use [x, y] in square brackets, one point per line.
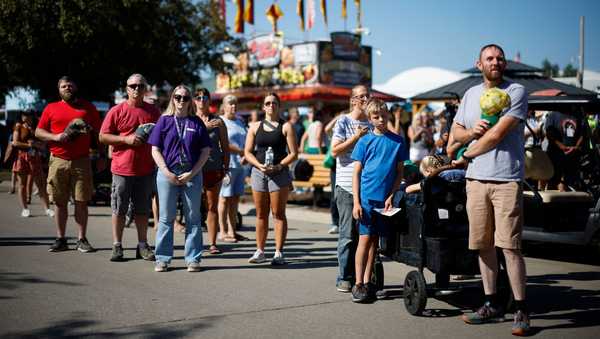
[138, 189]
[265, 183]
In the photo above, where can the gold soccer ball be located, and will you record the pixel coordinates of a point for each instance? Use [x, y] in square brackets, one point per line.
[493, 101]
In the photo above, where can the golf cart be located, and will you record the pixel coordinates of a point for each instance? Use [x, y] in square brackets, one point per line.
[571, 217]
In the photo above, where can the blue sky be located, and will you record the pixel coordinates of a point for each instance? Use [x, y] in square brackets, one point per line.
[448, 34]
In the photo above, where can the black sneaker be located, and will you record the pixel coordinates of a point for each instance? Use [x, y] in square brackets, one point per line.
[371, 291]
[60, 244]
[359, 293]
[84, 246]
[144, 252]
[117, 253]
[485, 314]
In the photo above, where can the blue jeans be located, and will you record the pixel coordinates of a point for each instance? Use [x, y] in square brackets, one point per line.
[348, 236]
[191, 194]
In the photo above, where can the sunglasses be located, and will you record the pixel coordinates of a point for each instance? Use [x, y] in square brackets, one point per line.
[183, 98]
[137, 86]
[270, 103]
[202, 98]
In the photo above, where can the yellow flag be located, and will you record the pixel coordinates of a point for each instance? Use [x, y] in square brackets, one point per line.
[249, 12]
[324, 10]
[344, 12]
[274, 13]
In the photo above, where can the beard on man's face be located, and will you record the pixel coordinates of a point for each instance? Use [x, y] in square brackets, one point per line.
[67, 95]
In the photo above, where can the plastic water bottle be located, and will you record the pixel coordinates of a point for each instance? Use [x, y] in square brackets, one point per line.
[269, 156]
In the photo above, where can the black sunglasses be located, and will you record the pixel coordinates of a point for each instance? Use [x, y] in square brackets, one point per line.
[183, 98]
[137, 86]
[202, 98]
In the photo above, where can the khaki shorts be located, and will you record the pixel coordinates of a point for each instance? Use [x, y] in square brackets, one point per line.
[495, 211]
[69, 178]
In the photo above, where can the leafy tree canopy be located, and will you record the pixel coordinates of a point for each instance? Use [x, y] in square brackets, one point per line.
[101, 42]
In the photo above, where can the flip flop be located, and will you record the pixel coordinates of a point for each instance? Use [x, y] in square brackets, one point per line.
[214, 250]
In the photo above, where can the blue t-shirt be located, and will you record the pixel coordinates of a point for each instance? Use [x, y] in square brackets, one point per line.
[236, 131]
[379, 156]
[165, 136]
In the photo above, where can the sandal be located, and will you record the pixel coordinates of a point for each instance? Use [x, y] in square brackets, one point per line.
[214, 250]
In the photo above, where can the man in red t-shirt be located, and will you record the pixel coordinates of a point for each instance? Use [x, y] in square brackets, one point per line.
[132, 164]
[69, 173]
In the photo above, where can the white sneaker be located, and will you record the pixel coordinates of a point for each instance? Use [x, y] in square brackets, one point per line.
[334, 230]
[278, 259]
[26, 213]
[50, 213]
[258, 257]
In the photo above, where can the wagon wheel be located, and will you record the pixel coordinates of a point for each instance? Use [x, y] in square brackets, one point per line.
[415, 294]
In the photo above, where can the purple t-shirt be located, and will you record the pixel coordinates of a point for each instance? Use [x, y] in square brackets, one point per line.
[165, 136]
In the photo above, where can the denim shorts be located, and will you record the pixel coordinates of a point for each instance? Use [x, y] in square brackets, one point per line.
[371, 223]
[269, 183]
[235, 186]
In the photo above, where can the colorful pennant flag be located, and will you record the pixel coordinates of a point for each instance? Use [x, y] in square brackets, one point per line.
[223, 7]
[239, 16]
[273, 14]
[249, 12]
[310, 12]
[324, 11]
[300, 11]
[344, 11]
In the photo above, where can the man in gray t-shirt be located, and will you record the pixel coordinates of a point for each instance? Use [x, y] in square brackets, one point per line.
[494, 192]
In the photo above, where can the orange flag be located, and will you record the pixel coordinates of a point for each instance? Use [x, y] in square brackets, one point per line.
[344, 12]
[300, 11]
[239, 16]
[324, 10]
[249, 12]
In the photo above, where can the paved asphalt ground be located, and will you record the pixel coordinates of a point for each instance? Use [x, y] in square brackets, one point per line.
[72, 294]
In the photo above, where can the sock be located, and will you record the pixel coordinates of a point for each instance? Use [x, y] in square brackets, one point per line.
[492, 299]
[521, 305]
[117, 243]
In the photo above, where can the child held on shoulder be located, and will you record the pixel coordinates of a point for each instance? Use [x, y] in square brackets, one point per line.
[379, 158]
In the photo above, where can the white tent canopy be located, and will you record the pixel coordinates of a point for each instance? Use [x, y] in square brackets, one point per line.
[418, 80]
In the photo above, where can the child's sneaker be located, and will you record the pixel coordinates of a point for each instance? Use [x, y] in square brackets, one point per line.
[50, 213]
[258, 257]
[26, 213]
[359, 293]
[484, 314]
[161, 266]
[520, 325]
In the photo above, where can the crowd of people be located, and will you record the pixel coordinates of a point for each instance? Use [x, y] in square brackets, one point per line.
[190, 162]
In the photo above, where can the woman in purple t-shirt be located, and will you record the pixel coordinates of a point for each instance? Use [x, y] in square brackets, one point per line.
[180, 147]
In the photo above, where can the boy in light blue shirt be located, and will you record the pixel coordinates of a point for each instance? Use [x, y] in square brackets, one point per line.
[378, 166]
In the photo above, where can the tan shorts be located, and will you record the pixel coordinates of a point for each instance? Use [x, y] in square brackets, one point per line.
[495, 211]
[69, 178]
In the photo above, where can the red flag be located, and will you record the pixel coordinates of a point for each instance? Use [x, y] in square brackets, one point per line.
[249, 12]
[311, 14]
[239, 16]
[223, 7]
[300, 11]
[324, 10]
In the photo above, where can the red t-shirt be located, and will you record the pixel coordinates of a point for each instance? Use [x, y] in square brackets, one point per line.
[124, 119]
[57, 116]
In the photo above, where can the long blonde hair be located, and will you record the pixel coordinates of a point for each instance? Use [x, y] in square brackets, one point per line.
[191, 108]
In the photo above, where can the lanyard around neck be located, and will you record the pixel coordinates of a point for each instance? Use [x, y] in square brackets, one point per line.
[181, 133]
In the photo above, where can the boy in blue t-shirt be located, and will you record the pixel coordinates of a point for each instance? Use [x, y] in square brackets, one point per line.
[378, 167]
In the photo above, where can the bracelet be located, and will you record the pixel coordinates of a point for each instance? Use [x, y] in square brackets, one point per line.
[467, 158]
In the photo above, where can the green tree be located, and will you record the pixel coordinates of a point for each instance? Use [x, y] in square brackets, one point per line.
[549, 69]
[569, 71]
[101, 42]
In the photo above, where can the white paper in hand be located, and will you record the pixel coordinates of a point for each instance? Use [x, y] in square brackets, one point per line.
[389, 212]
